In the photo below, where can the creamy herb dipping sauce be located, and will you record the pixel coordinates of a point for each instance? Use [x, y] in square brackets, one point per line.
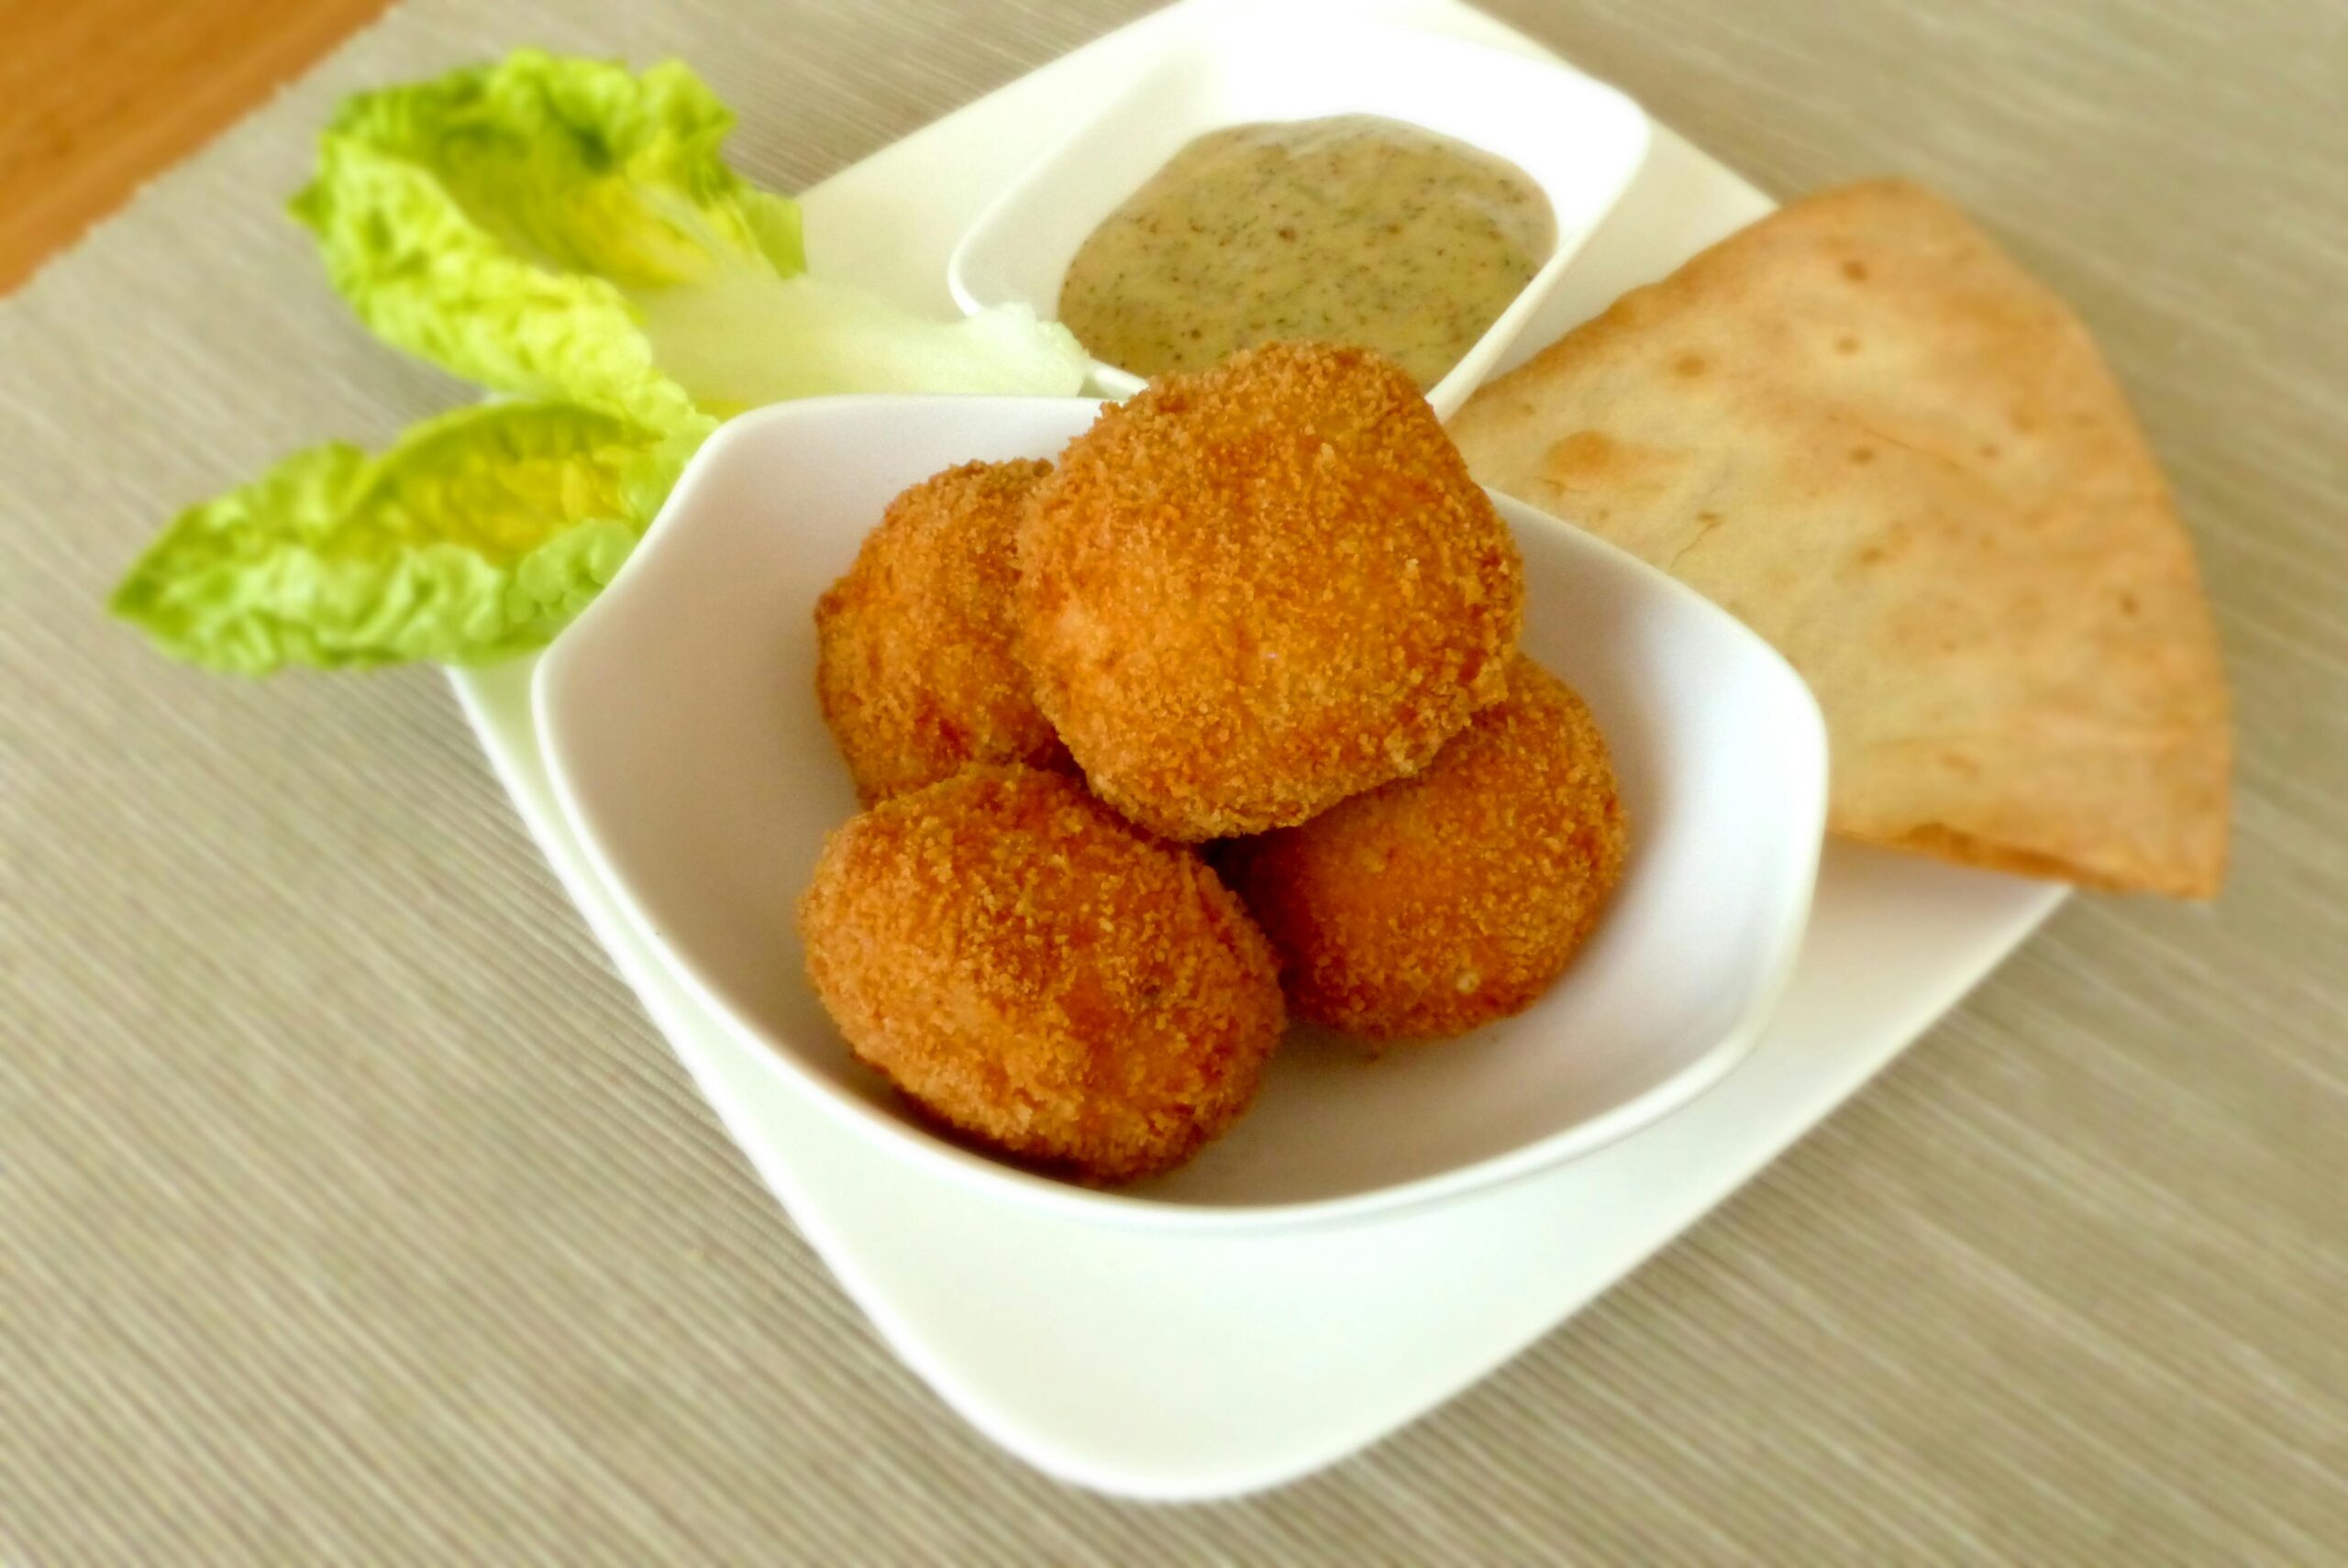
[1353, 229]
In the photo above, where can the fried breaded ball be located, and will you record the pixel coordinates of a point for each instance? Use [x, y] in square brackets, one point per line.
[1251, 591]
[1037, 973]
[1441, 902]
[913, 660]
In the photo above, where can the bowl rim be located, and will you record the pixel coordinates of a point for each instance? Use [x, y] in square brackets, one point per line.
[1130, 1207]
[1205, 47]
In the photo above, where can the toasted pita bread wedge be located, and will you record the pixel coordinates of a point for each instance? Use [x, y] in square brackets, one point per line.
[1864, 431]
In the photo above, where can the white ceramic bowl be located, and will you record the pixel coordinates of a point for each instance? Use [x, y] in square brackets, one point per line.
[684, 740]
[1580, 140]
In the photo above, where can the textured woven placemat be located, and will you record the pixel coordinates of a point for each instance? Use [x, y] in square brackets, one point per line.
[350, 1212]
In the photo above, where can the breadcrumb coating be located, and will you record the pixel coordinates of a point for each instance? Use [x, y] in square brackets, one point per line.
[1250, 593]
[1037, 974]
[915, 666]
[1442, 902]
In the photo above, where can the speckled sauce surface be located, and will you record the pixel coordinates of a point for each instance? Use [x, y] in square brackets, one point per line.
[1353, 229]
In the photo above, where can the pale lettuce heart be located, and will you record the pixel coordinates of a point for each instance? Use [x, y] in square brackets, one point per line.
[746, 341]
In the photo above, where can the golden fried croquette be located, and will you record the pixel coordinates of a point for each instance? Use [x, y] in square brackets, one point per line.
[1444, 902]
[913, 660]
[1037, 973]
[1251, 591]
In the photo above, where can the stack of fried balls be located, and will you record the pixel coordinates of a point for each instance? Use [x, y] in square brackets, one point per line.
[1259, 609]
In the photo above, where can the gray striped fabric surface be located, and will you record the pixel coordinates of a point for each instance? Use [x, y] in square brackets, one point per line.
[350, 1211]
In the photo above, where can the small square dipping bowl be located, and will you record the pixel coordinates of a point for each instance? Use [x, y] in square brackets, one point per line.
[685, 744]
[1580, 140]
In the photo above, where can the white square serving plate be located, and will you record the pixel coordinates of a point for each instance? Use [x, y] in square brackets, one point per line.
[684, 736]
[1198, 1365]
[1580, 140]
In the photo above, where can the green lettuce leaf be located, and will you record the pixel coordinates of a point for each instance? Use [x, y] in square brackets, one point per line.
[477, 535]
[494, 220]
[558, 227]
[563, 231]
